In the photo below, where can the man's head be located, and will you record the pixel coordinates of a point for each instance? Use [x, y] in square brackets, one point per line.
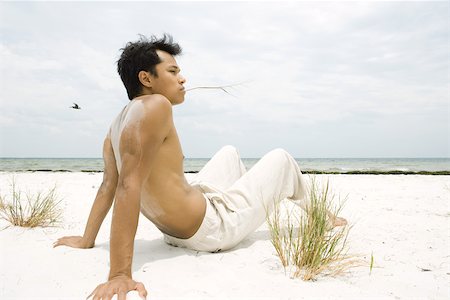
[148, 67]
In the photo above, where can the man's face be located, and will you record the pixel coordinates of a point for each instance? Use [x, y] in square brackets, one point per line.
[169, 81]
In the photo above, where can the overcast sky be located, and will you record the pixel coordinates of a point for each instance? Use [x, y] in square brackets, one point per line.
[340, 79]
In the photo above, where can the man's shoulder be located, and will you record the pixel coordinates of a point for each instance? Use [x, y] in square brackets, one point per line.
[150, 110]
[146, 108]
[143, 110]
[156, 103]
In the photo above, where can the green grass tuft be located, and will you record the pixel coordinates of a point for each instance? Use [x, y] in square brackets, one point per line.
[39, 209]
[305, 242]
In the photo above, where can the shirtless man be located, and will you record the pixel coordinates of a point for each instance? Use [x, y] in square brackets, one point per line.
[144, 173]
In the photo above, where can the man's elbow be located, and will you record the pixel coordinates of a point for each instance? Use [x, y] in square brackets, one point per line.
[128, 186]
[109, 185]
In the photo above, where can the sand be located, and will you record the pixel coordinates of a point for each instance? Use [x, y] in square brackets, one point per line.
[402, 219]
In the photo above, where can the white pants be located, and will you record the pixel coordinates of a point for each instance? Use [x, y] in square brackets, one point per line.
[237, 202]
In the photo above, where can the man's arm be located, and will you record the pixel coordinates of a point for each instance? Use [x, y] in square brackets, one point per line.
[102, 203]
[105, 194]
[140, 141]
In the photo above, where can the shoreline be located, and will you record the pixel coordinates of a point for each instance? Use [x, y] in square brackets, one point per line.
[312, 172]
[357, 166]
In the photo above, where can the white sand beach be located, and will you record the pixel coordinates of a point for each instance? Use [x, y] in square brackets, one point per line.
[402, 219]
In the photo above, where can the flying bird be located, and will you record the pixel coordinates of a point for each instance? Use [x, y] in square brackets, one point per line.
[75, 106]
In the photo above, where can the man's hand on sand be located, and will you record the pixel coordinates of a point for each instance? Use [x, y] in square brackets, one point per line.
[119, 286]
[74, 242]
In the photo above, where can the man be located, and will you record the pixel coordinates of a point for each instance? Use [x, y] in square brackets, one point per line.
[144, 173]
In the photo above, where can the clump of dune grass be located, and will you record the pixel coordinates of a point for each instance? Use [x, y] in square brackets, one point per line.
[40, 209]
[281, 236]
[305, 242]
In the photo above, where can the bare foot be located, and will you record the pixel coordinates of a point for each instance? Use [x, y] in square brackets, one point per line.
[338, 221]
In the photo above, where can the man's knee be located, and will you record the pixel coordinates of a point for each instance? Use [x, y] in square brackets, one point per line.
[228, 149]
[279, 154]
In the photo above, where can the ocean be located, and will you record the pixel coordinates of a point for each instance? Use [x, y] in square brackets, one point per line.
[431, 166]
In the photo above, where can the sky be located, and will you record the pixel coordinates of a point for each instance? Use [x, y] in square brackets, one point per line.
[319, 79]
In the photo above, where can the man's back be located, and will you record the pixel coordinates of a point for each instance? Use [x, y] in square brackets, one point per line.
[167, 199]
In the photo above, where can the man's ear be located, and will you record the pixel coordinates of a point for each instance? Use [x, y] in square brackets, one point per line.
[145, 79]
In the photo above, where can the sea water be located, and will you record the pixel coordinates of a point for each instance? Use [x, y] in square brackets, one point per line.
[308, 165]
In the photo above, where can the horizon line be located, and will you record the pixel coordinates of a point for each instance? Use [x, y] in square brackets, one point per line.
[330, 157]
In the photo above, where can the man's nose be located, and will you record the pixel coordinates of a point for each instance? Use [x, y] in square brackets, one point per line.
[182, 80]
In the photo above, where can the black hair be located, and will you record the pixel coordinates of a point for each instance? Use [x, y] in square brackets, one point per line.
[141, 56]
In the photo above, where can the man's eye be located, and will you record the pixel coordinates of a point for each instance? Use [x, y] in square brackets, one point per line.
[173, 71]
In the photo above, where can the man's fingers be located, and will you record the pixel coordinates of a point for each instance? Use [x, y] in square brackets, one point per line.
[106, 291]
[57, 243]
[60, 241]
[93, 292]
[122, 296]
[108, 296]
[140, 288]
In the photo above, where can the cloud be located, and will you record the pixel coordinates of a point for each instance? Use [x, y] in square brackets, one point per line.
[306, 66]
